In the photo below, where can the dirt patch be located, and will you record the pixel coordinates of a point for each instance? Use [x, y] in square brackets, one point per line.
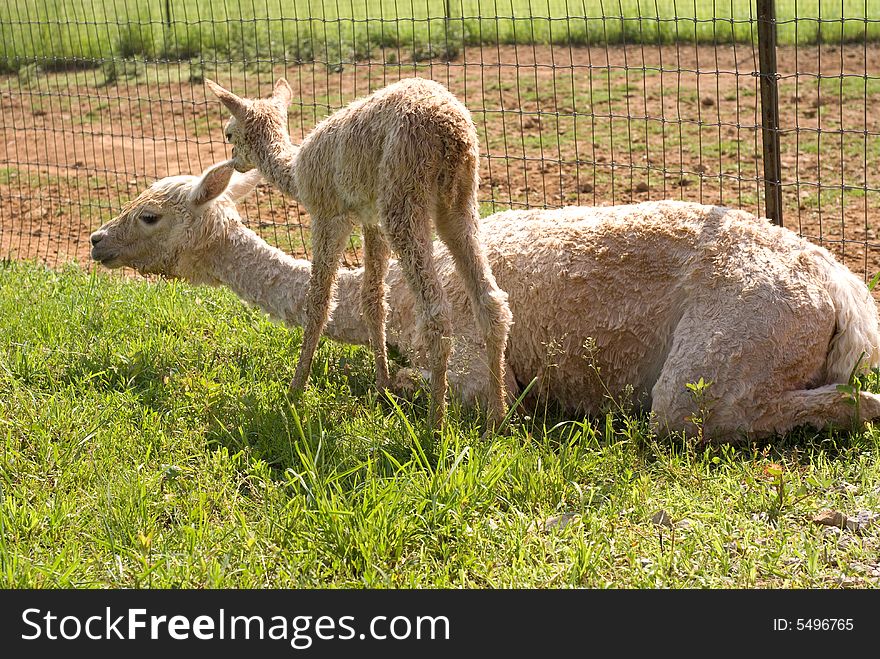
[558, 126]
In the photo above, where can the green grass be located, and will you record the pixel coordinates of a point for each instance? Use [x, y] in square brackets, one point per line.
[146, 440]
[66, 34]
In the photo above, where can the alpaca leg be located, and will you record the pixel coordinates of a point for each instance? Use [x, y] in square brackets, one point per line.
[409, 231]
[820, 407]
[469, 373]
[374, 307]
[756, 367]
[468, 376]
[458, 228]
[329, 238]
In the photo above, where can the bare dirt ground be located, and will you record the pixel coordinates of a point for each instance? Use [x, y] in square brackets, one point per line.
[558, 126]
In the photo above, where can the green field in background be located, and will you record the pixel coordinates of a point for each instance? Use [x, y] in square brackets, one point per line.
[69, 33]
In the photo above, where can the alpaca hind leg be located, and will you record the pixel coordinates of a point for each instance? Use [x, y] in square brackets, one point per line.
[821, 407]
[469, 373]
[328, 242]
[458, 228]
[374, 307]
[408, 228]
[754, 375]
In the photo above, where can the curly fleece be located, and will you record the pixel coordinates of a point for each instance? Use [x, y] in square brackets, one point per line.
[392, 161]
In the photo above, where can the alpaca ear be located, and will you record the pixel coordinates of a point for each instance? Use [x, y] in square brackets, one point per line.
[242, 185]
[282, 94]
[236, 105]
[212, 184]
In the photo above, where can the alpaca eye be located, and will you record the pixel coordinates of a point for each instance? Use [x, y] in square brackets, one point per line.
[149, 218]
[229, 137]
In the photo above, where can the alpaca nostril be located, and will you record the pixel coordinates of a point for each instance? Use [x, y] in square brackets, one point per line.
[95, 238]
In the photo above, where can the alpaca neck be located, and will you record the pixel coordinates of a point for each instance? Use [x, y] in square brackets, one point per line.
[277, 159]
[278, 284]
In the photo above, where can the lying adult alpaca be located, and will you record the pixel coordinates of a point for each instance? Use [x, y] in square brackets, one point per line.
[664, 293]
[391, 161]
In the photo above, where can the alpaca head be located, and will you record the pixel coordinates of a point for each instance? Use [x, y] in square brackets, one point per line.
[168, 225]
[256, 124]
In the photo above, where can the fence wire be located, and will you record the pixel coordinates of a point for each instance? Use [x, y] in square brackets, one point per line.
[575, 102]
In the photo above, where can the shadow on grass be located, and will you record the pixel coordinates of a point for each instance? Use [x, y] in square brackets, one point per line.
[343, 423]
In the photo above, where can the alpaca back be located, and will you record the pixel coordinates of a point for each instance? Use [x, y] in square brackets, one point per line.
[595, 292]
[413, 133]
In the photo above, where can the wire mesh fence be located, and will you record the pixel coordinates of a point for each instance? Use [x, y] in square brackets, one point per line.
[575, 102]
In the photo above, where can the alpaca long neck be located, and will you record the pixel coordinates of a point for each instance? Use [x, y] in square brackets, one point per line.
[278, 283]
[277, 159]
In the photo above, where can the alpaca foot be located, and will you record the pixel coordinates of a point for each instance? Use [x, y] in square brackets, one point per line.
[384, 383]
[492, 430]
[497, 414]
[300, 377]
[295, 390]
[406, 382]
[438, 414]
[495, 422]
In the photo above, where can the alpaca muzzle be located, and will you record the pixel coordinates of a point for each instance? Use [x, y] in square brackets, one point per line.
[99, 250]
[238, 165]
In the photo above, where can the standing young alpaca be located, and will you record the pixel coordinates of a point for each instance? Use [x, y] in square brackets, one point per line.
[390, 161]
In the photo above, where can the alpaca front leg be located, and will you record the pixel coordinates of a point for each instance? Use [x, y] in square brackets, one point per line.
[374, 307]
[328, 242]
